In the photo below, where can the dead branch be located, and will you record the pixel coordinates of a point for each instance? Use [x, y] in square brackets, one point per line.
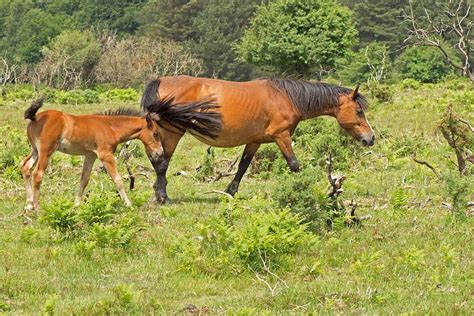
[220, 192]
[335, 181]
[467, 123]
[424, 163]
[274, 289]
[125, 154]
[456, 22]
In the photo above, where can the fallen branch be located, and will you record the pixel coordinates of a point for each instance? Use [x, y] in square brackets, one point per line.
[424, 163]
[334, 181]
[220, 192]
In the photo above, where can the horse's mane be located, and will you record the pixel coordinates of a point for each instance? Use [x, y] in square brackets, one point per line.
[314, 96]
[121, 112]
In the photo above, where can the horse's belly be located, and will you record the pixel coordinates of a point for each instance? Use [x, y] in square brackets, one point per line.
[70, 148]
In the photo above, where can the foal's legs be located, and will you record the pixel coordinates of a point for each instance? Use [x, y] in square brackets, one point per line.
[45, 152]
[86, 172]
[108, 160]
[25, 166]
[284, 143]
[249, 152]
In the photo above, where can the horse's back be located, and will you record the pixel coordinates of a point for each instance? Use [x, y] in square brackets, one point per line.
[248, 109]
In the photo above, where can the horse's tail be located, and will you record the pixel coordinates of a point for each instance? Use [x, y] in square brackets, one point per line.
[30, 113]
[150, 94]
[198, 117]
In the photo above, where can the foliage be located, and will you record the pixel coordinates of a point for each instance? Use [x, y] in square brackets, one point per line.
[456, 187]
[399, 199]
[218, 36]
[424, 64]
[245, 234]
[121, 17]
[380, 21]
[371, 63]
[69, 60]
[13, 148]
[133, 61]
[171, 19]
[312, 203]
[298, 37]
[381, 92]
[100, 222]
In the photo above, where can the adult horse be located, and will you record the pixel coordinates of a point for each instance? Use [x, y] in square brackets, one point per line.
[256, 112]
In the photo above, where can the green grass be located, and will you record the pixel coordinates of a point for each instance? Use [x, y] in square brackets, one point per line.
[412, 256]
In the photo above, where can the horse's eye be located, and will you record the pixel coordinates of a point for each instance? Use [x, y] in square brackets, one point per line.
[360, 112]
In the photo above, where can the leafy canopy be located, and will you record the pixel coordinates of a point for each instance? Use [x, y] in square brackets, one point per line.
[299, 37]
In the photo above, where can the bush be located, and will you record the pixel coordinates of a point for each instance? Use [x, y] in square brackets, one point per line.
[132, 61]
[424, 64]
[319, 137]
[13, 148]
[121, 95]
[368, 65]
[100, 222]
[381, 92]
[69, 60]
[246, 233]
[307, 197]
[410, 83]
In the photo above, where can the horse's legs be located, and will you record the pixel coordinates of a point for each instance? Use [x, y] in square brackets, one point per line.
[249, 152]
[25, 167]
[108, 160]
[169, 141]
[284, 143]
[86, 172]
[38, 172]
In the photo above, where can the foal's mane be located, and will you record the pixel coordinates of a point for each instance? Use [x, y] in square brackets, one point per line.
[122, 112]
[314, 96]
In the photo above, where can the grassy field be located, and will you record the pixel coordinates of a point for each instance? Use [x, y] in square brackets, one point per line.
[412, 256]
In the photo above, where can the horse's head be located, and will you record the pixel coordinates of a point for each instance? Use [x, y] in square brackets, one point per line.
[351, 117]
[151, 138]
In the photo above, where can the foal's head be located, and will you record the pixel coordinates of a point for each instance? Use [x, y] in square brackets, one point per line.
[351, 117]
[150, 137]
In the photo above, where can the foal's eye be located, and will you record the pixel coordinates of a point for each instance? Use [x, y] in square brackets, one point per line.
[360, 112]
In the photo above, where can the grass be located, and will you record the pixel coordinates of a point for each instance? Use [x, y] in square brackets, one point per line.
[412, 256]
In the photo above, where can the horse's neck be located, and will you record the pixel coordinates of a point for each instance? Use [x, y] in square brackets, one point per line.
[127, 128]
[312, 114]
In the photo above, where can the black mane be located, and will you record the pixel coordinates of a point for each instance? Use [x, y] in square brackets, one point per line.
[122, 112]
[314, 96]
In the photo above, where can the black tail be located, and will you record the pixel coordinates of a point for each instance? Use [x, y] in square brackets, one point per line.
[30, 113]
[198, 116]
[150, 94]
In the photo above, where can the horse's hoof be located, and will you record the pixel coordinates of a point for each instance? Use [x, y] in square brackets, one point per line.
[162, 200]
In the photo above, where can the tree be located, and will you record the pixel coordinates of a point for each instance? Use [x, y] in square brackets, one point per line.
[170, 19]
[120, 16]
[454, 26]
[219, 26]
[299, 37]
[69, 60]
[423, 64]
[380, 20]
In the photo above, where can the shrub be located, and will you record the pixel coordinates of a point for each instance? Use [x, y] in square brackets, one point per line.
[246, 233]
[307, 197]
[410, 83]
[381, 92]
[121, 95]
[424, 64]
[321, 136]
[69, 60]
[132, 61]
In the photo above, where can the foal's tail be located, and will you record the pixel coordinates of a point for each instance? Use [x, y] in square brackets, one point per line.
[200, 117]
[30, 113]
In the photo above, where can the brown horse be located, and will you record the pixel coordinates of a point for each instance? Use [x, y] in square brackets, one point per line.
[97, 136]
[256, 112]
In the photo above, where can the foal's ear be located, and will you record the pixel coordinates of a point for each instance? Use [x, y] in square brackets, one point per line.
[149, 120]
[355, 92]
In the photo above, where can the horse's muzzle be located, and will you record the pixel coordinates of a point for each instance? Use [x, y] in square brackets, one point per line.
[368, 141]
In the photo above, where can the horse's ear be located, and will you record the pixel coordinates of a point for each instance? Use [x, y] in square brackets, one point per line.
[355, 92]
[149, 122]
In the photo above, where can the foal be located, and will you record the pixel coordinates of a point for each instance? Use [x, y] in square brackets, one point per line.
[97, 136]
